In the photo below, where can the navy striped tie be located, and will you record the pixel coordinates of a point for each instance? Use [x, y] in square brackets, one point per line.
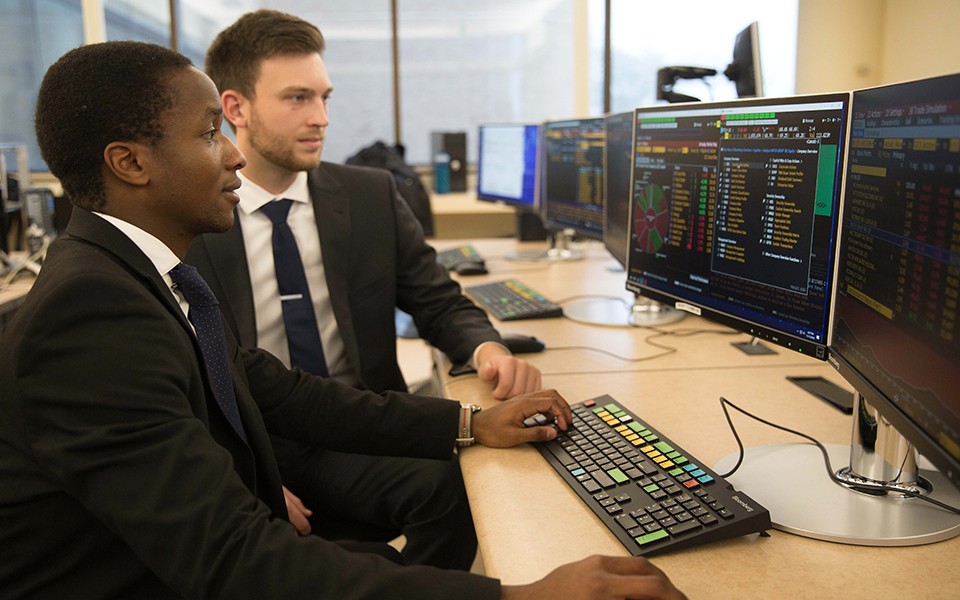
[299, 318]
[205, 316]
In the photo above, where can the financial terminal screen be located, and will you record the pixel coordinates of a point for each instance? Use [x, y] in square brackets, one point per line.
[573, 175]
[898, 278]
[734, 212]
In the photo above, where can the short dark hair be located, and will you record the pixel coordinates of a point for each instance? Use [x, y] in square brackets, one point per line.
[95, 95]
[234, 57]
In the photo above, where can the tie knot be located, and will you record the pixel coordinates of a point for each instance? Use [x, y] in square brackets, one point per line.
[192, 286]
[277, 210]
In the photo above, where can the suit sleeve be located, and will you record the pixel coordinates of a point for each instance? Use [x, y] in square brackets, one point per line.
[445, 317]
[106, 382]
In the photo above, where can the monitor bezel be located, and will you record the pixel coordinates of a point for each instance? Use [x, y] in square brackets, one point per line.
[817, 350]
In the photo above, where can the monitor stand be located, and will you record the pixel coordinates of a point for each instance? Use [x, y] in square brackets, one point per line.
[618, 312]
[560, 250]
[753, 347]
[790, 480]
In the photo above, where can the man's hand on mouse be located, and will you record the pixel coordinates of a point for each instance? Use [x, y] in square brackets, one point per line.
[509, 375]
[501, 425]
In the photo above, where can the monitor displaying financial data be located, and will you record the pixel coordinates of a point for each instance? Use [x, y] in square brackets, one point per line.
[894, 338]
[897, 336]
[734, 213]
[573, 176]
[507, 165]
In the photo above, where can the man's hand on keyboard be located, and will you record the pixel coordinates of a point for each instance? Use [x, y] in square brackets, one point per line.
[599, 578]
[501, 426]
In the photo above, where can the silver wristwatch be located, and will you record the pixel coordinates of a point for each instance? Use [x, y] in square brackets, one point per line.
[465, 429]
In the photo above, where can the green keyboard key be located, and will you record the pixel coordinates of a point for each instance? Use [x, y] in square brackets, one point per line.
[617, 475]
[643, 540]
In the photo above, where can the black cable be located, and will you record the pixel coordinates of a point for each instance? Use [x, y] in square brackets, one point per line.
[869, 488]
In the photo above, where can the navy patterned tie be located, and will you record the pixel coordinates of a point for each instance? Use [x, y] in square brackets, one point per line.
[205, 316]
[299, 319]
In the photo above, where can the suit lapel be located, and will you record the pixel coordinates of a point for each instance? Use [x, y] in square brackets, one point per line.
[229, 260]
[84, 225]
[332, 211]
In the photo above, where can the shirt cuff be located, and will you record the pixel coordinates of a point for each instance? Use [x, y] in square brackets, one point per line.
[476, 351]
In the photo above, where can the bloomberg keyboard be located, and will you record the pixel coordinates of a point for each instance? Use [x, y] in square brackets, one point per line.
[650, 493]
[512, 300]
[448, 259]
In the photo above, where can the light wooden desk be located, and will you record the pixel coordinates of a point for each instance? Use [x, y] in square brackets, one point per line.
[529, 522]
[461, 215]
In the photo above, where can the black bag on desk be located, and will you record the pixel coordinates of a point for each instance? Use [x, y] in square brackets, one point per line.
[411, 188]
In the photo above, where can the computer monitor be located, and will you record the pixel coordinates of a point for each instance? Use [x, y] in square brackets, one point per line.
[745, 69]
[895, 336]
[507, 165]
[617, 161]
[617, 164]
[734, 213]
[572, 194]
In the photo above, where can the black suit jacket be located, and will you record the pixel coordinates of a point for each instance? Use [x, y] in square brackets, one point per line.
[376, 259]
[121, 478]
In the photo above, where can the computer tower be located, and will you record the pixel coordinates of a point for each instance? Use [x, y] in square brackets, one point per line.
[454, 143]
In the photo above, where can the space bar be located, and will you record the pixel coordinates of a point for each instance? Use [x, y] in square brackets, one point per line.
[561, 455]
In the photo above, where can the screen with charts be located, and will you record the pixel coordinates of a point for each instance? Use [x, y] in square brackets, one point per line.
[896, 335]
[507, 165]
[734, 212]
[573, 176]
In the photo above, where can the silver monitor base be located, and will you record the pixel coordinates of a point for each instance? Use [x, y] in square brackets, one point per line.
[791, 481]
[616, 312]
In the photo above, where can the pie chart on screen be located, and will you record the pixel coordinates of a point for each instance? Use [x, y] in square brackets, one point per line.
[651, 218]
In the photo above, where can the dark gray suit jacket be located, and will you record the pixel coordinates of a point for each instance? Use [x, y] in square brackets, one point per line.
[376, 259]
[121, 478]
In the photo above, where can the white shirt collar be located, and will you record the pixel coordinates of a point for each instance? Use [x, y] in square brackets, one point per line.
[253, 197]
[159, 254]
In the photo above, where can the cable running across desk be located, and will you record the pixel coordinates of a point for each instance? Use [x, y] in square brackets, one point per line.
[868, 488]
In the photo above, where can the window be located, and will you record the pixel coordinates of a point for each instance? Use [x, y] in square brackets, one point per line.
[463, 63]
[33, 34]
[646, 36]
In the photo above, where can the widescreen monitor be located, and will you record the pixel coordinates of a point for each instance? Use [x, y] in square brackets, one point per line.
[895, 337]
[734, 213]
[507, 165]
[573, 176]
[745, 69]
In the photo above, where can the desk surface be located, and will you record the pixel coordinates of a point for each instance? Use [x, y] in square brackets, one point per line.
[529, 522]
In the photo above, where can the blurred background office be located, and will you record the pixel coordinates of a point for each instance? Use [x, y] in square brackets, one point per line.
[404, 68]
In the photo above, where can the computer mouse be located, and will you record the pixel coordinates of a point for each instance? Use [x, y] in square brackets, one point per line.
[519, 343]
[470, 268]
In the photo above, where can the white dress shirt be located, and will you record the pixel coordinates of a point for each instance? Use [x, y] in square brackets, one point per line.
[258, 243]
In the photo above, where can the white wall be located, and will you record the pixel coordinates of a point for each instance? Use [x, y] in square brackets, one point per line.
[850, 44]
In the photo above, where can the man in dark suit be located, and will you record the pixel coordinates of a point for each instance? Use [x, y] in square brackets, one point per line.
[127, 469]
[364, 255]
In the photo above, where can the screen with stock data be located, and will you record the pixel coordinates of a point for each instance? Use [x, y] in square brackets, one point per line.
[734, 212]
[573, 175]
[898, 277]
